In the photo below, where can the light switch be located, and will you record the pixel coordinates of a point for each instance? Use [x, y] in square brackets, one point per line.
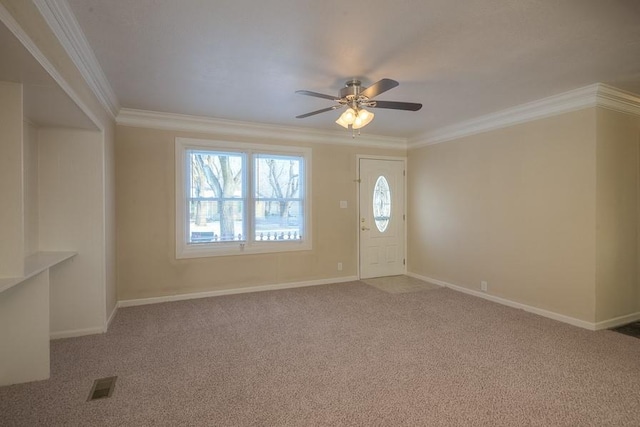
[343, 204]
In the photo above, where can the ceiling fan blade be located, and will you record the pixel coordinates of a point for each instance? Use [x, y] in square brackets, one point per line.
[379, 87]
[324, 110]
[317, 95]
[409, 106]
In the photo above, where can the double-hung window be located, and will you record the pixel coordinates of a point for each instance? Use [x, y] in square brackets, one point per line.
[235, 198]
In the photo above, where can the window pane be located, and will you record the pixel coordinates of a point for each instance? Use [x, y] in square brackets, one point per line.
[278, 220]
[278, 210]
[381, 204]
[216, 221]
[216, 207]
[215, 174]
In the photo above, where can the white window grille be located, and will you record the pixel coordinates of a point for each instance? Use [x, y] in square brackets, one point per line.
[234, 198]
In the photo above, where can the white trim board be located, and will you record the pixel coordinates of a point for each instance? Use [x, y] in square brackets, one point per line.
[607, 324]
[206, 294]
[595, 95]
[7, 19]
[63, 23]
[225, 128]
[617, 321]
[111, 317]
[72, 333]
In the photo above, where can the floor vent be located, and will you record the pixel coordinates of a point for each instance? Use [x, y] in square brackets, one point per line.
[102, 388]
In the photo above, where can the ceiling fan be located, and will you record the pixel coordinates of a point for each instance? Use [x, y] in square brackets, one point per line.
[356, 97]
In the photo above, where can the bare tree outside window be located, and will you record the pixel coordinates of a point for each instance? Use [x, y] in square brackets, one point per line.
[217, 197]
[217, 192]
[278, 197]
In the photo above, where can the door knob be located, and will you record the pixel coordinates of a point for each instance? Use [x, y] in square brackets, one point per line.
[365, 228]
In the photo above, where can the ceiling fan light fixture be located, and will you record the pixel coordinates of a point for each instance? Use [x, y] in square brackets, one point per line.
[355, 97]
[347, 118]
[362, 119]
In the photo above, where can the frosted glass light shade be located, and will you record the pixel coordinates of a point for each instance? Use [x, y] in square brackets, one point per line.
[347, 118]
[363, 118]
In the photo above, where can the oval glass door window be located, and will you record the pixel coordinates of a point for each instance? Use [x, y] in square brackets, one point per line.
[381, 204]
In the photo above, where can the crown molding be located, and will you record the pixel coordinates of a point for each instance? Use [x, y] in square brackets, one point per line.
[619, 100]
[595, 95]
[223, 127]
[63, 23]
[9, 21]
[562, 103]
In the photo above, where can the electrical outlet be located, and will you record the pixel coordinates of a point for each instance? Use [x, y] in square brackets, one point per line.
[339, 266]
[483, 286]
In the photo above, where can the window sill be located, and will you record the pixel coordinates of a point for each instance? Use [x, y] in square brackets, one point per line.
[235, 249]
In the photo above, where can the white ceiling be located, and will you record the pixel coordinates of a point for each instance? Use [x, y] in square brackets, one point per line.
[243, 60]
[45, 103]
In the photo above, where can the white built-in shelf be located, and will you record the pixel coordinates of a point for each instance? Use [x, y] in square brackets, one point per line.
[35, 264]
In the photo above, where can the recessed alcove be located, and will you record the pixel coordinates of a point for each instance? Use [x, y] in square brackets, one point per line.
[52, 221]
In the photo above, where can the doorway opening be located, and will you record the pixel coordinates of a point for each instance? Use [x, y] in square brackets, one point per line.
[381, 216]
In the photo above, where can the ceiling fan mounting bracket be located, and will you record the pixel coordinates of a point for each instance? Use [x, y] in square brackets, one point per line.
[351, 89]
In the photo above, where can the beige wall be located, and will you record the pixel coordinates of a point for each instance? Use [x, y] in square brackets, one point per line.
[111, 298]
[513, 206]
[145, 182]
[71, 219]
[617, 292]
[30, 172]
[11, 181]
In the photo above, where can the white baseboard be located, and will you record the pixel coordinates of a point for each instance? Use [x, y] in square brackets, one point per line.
[195, 295]
[427, 279]
[72, 333]
[111, 316]
[539, 311]
[617, 321]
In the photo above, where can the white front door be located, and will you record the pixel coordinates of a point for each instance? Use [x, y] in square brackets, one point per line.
[382, 221]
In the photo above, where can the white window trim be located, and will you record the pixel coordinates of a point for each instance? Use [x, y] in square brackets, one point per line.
[201, 250]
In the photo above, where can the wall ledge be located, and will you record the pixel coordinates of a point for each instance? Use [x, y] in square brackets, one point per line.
[35, 264]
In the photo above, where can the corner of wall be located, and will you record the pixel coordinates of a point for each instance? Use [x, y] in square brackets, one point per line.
[617, 214]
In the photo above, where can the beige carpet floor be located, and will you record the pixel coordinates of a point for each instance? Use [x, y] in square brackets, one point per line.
[337, 355]
[400, 284]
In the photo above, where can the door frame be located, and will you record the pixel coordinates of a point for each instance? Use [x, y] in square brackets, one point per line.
[404, 208]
